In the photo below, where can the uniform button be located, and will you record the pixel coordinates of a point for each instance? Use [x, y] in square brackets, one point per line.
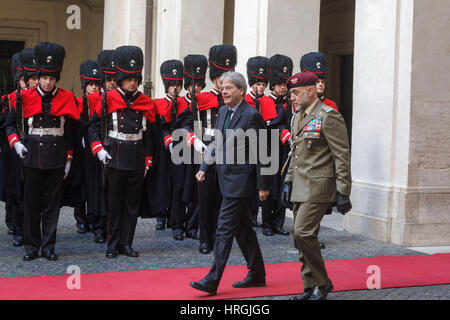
[121, 126]
[121, 118]
[296, 167]
[136, 129]
[40, 143]
[54, 144]
[137, 120]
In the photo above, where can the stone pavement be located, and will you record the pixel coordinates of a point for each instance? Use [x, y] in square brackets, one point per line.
[158, 250]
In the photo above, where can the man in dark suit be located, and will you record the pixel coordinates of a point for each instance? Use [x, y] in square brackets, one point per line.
[238, 180]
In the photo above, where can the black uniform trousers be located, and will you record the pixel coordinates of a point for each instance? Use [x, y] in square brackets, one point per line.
[273, 213]
[124, 203]
[208, 207]
[42, 197]
[235, 221]
[184, 215]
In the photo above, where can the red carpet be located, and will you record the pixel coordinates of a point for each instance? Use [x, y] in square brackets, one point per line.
[282, 279]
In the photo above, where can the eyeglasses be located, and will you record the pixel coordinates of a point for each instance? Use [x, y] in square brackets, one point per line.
[228, 88]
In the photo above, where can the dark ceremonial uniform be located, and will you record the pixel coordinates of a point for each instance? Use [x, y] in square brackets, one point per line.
[167, 108]
[11, 184]
[273, 211]
[49, 122]
[75, 185]
[131, 149]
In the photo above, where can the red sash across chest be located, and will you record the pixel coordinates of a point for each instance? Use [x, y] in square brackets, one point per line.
[63, 104]
[115, 102]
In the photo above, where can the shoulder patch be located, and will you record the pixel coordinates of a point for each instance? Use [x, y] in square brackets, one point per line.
[326, 108]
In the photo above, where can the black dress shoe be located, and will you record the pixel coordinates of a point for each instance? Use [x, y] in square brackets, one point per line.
[81, 228]
[128, 251]
[192, 234]
[10, 231]
[178, 235]
[321, 245]
[204, 248]
[323, 291]
[281, 231]
[50, 255]
[17, 242]
[99, 238]
[30, 256]
[304, 296]
[249, 282]
[267, 232]
[205, 286]
[161, 225]
[111, 253]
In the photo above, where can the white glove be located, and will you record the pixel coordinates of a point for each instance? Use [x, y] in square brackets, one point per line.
[67, 168]
[104, 156]
[21, 151]
[146, 170]
[199, 146]
[171, 147]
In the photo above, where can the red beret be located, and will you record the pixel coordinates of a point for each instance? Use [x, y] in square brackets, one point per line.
[302, 79]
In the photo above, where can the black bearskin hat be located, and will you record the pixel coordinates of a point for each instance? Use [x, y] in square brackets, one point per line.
[89, 72]
[280, 69]
[49, 59]
[258, 70]
[172, 73]
[105, 61]
[129, 62]
[28, 63]
[222, 58]
[315, 62]
[195, 66]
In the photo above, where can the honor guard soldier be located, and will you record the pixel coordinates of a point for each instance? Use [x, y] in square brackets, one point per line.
[40, 129]
[316, 62]
[176, 115]
[209, 197]
[185, 197]
[30, 78]
[258, 77]
[75, 185]
[168, 108]
[120, 138]
[12, 186]
[97, 204]
[318, 174]
[8, 100]
[273, 210]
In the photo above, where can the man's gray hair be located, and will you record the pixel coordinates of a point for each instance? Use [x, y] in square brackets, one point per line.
[236, 78]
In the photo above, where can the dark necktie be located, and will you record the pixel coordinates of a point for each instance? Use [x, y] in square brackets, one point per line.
[227, 120]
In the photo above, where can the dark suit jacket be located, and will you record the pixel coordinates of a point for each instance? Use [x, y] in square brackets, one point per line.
[242, 178]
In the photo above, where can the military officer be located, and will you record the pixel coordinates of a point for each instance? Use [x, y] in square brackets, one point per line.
[40, 130]
[318, 174]
[120, 138]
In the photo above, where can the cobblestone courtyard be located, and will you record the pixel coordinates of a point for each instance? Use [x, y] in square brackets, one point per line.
[158, 250]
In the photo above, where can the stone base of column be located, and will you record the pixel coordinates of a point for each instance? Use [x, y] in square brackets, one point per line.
[372, 227]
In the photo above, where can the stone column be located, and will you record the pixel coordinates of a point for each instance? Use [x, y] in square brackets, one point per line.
[268, 27]
[125, 24]
[400, 152]
[185, 27]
